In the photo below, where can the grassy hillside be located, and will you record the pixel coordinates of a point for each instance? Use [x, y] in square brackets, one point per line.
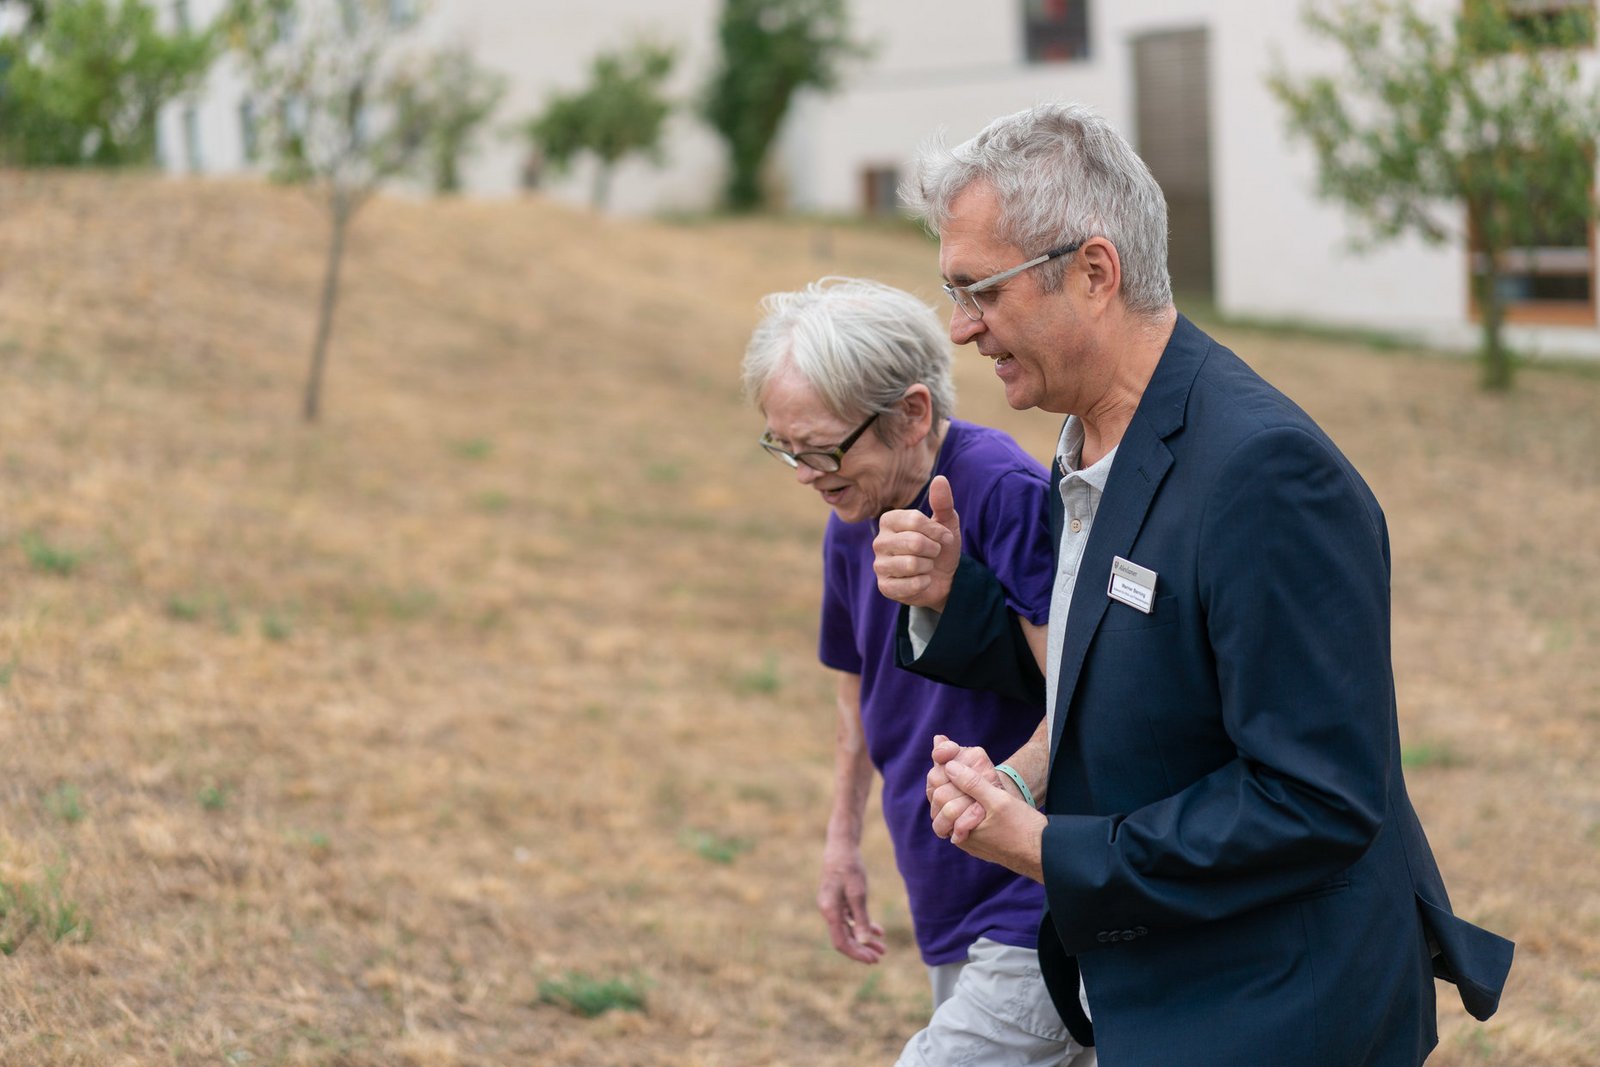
[384, 741]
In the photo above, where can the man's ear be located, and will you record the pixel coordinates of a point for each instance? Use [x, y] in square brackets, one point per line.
[1101, 269]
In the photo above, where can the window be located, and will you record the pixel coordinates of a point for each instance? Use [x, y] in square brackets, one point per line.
[1540, 18]
[1551, 280]
[1536, 23]
[1055, 31]
[880, 191]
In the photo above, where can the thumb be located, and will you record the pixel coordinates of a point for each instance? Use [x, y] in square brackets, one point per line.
[976, 786]
[943, 503]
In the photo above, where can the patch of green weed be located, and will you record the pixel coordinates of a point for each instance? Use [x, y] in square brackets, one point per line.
[412, 603]
[276, 626]
[715, 847]
[65, 802]
[1428, 755]
[214, 797]
[26, 907]
[870, 991]
[587, 996]
[764, 679]
[493, 501]
[665, 472]
[49, 558]
[185, 609]
[473, 448]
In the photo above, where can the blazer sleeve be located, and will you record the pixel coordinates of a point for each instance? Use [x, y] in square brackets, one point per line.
[1292, 581]
[978, 643]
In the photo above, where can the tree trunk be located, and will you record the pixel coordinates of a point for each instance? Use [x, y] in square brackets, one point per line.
[743, 191]
[330, 294]
[1497, 368]
[600, 191]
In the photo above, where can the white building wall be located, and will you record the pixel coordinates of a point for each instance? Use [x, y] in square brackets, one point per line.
[1281, 252]
[952, 65]
[543, 46]
[1284, 253]
[540, 46]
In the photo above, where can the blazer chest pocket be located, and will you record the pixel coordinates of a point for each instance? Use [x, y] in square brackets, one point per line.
[1120, 617]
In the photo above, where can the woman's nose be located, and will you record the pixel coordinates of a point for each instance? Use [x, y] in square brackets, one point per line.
[805, 474]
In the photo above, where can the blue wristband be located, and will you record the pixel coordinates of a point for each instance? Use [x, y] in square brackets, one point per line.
[1011, 773]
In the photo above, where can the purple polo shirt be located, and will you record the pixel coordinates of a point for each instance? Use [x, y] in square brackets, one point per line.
[1000, 495]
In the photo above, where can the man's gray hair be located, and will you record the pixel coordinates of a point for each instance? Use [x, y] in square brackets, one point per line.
[858, 343]
[1061, 174]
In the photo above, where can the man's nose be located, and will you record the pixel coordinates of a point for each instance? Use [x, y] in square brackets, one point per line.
[805, 473]
[962, 328]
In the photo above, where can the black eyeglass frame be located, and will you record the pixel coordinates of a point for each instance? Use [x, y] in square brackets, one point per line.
[826, 460]
[964, 297]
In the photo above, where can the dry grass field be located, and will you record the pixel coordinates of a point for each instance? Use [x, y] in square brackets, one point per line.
[393, 739]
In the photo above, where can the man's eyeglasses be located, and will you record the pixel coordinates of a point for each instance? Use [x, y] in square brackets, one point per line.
[966, 297]
[825, 460]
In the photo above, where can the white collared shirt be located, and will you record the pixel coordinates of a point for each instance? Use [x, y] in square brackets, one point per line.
[1080, 491]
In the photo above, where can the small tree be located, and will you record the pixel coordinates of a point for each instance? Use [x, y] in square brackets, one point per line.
[770, 49]
[462, 97]
[1478, 132]
[81, 81]
[342, 109]
[622, 111]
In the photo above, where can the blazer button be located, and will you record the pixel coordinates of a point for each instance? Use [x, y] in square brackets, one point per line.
[1140, 931]
[1103, 936]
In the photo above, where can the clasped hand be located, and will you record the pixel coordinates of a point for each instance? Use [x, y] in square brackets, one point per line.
[969, 807]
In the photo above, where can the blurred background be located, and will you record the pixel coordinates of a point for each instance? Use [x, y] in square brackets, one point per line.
[408, 657]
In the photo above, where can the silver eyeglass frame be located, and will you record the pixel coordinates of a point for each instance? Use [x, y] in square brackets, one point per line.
[963, 296]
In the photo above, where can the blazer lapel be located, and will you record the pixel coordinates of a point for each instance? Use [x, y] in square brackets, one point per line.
[1142, 462]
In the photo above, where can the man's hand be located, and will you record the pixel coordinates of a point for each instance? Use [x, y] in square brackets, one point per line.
[916, 555]
[842, 899]
[952, 810]
[1011, 833]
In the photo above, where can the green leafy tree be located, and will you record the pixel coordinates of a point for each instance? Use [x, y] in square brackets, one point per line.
[462, 96]
[770, 49]
[344, 107]
[81, 81]
[1475, 130]
[620, 112]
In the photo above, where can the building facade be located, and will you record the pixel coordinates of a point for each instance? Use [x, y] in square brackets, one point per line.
[1184, 79]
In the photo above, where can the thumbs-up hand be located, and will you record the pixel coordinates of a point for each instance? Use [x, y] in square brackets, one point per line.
[915, 555]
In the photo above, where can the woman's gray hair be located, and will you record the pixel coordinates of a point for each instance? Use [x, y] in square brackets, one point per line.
[1061, 174]
[858, 343]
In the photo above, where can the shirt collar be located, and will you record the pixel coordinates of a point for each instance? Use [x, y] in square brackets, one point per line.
[1069, 451]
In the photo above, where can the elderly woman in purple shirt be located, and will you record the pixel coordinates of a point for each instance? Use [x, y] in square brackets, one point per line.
[853, 378]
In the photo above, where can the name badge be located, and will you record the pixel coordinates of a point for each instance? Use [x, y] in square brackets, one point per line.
[1132, 585]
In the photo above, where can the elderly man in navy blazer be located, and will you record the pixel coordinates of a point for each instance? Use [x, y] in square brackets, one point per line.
[1233, 870]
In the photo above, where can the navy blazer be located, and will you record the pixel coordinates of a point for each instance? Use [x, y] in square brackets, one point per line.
[1231, 857]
